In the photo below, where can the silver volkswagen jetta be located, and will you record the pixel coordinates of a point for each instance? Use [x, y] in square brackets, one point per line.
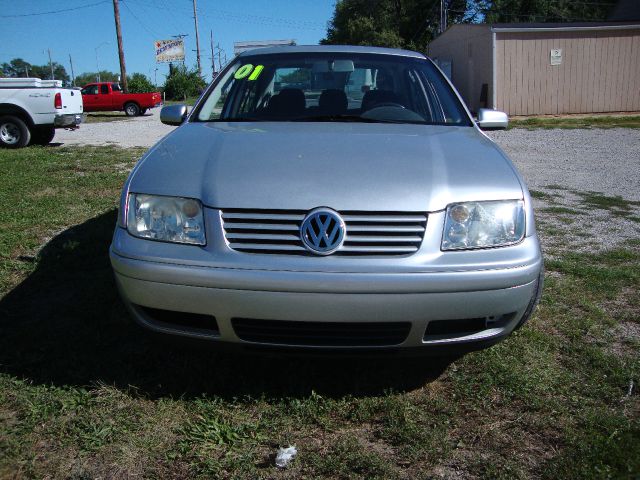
[329, 197]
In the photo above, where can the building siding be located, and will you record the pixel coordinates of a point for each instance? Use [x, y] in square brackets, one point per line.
[600, 72]
[468, 48]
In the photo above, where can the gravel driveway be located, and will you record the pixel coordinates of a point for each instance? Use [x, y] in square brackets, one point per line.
[606, 161]
[143, 131]
[601, 160]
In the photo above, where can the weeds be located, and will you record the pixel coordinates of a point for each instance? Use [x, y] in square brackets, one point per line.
[85, 394]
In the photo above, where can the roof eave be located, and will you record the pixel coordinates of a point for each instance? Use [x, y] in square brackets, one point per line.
[564, 29]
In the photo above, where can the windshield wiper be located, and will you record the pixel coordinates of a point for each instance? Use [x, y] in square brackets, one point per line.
[240, 119]
[340, 118]
[354, 118]
[313, 118]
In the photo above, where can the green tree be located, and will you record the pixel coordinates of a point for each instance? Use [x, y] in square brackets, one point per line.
[392, 23]
[139, 83]
[19, 68]
[183, 83]
[413, 23]
[16, 68]
[44, 72]
[92, 77]
[511, 11]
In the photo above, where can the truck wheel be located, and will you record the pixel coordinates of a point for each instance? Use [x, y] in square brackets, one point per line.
[14, 133]
[43, 135]
[143, 111]
[132, 110]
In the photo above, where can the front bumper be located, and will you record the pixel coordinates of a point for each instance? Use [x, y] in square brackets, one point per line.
[68, 120]
[498, 298]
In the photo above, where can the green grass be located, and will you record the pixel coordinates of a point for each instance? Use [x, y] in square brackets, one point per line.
[558, 210]
[190, 101]
[101, 117]
[616, 205]
[84, 393]
[623, 121]
[540, 195]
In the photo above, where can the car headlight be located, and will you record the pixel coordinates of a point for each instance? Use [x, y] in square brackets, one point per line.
[483, 224]
[168, 219]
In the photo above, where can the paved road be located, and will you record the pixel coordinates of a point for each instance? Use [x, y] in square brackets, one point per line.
[601, 160]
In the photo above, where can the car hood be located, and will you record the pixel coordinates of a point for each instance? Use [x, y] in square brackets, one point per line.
[344, 166]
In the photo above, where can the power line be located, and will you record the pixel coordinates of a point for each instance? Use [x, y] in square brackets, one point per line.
[218, 14]
[154, 35]
[263, 20]
[55, 11]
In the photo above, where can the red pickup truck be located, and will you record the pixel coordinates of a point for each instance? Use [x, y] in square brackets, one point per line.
[108, 96]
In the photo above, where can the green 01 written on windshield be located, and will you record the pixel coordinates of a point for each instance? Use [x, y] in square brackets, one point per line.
[320, 87]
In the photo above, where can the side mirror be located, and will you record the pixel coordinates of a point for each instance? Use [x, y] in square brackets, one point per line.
[173, 114]
[489, 119]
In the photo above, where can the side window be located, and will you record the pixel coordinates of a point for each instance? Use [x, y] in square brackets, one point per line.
[104, 89]
[90, 90]
[218, 99]
[116, 87]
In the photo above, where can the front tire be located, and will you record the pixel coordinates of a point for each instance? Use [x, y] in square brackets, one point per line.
[43, 135]
[14, 133]
[132, 110]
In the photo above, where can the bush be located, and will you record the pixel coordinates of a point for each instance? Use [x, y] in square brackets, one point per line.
[183, 83]
[139, 83]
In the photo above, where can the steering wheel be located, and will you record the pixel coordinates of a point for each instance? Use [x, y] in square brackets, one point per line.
[388, 104]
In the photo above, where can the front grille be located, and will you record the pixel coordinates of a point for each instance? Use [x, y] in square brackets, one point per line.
[368, 233]
[321, 334]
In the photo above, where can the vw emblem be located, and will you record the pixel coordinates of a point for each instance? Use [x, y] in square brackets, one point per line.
[322, 231]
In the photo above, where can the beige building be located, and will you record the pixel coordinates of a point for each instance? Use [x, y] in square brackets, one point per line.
[543, 68]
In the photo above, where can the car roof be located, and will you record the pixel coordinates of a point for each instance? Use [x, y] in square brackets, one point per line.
[330, 49]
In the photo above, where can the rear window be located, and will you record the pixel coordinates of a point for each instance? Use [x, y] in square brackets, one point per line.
[333, 87]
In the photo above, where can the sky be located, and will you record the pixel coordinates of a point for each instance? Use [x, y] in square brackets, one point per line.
[86, 28]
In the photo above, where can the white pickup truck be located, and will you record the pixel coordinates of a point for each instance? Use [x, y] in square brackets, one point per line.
[31, 109]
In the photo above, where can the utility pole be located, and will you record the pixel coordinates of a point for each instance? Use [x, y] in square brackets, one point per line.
[51, 65]
[98, 79]
[443, 15]
[213, 59]
[195, 19]
[123, 69]
[73, 77]
[446, 7]
[180, 36]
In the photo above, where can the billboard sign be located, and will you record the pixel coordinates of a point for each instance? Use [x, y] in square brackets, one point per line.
[169, 50]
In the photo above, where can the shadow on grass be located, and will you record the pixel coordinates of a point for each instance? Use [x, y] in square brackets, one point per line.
[65, 325]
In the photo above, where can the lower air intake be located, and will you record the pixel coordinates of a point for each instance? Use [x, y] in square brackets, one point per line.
[181, 321]
[464, 326]
[321, 334]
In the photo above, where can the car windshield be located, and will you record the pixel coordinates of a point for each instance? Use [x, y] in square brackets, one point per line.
[330, 87]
